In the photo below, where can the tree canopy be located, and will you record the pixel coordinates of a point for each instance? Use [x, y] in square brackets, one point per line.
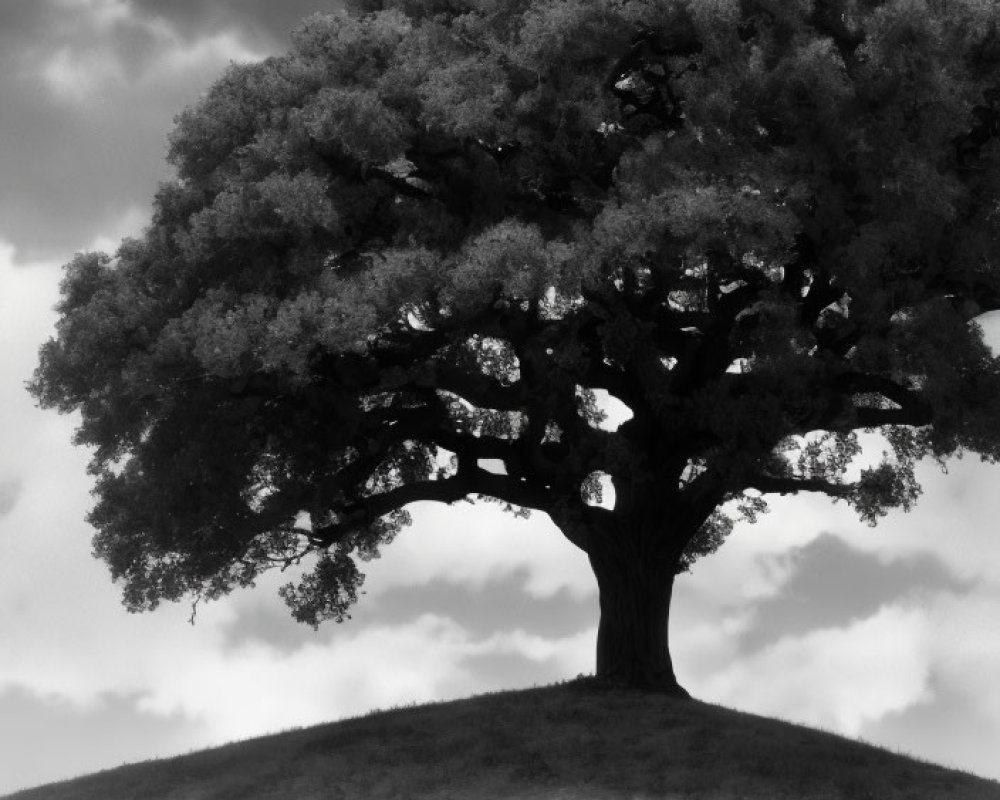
[407, 260]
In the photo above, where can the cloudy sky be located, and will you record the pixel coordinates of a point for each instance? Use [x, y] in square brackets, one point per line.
[888, 634]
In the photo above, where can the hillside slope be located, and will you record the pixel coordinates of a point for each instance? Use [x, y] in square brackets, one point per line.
[568, 741]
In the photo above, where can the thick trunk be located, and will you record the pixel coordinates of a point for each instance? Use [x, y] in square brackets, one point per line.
[632, 639]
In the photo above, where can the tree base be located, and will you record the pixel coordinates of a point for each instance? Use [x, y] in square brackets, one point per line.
[598, 684]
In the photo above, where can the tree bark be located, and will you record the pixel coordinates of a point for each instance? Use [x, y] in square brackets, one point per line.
[633, 648]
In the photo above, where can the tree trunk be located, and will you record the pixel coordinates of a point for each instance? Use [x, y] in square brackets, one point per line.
[632, 638]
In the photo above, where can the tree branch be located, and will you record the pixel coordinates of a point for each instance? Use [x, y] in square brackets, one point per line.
[470, 480]
[770, 484]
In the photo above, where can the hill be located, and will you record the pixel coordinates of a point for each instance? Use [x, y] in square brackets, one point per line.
[568, 741]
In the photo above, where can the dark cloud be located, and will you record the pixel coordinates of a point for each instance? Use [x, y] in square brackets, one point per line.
[70, 175]
[75, 164]
[266, 619]
[499, 606]
[833, 584]
[73, 167]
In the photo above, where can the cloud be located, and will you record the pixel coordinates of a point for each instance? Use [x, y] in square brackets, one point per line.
[475, 544]
[951, 522]
[378, 658]
[956, 722]
[130, 222]
[79, 76]
[79, 47]
[104, 79]
[27, 296]
[175, 671]
[104, 14]
[839, 678]
[815, 617]
[831, 583]
[257, 689]
[265, 22]
[262, 617]
[946, 728]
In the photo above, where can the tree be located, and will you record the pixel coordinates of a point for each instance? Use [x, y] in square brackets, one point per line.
[407, 261]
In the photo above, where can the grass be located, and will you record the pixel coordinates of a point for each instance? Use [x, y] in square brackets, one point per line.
[569, 741]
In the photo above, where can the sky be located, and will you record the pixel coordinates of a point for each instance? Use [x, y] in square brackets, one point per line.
[887, 634]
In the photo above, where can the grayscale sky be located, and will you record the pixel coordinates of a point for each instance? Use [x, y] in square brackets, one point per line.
[889, 634]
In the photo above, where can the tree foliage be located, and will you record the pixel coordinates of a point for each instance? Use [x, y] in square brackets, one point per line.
[434, 233]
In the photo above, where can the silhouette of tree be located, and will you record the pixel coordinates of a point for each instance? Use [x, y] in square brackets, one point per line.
[433, 234]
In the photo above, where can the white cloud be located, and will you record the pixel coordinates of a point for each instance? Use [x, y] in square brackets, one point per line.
[27, 296]
[569, 654]
[130, 224]
[218, 49]
[76, 75]
[472, 545]
[235, 693]
[951, 522]
[43, 570]
[256, 688]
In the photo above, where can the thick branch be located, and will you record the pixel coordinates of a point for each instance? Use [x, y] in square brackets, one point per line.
[770, 484]
[471, 480]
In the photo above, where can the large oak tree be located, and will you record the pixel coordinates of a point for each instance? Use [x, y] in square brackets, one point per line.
[407, 260]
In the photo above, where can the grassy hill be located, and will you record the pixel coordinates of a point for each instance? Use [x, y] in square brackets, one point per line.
[569, 741]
